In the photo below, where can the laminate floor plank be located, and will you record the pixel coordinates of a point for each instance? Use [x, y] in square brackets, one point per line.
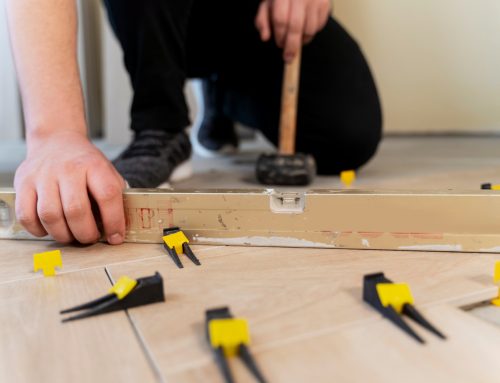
[292, 296]
[37, 347]
[379, 352]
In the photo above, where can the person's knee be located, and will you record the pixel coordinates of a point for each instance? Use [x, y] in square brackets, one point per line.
[346, 154]
[346, 148]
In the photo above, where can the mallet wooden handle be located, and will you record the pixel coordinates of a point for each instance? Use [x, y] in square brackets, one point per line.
[289, 100]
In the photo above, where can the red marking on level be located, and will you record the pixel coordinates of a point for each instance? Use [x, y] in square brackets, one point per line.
[170, 214]
[146, 215]
[345, 234]
[401, 235]
[427, 235]
[128, 219]
[370, 234]
[418, 235]
[165, 218]
[166, 215]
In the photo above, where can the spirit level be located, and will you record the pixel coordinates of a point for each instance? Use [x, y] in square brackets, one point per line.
[431, 221]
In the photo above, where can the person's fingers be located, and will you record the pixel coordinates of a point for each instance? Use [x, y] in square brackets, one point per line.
[295, 31]
[51, 213]
[77, 209]
[311, 24]
[323, 14]
[280, 20]
[262, 21]
[26, 211]
[121, 181]
[119, 177]
[107, 192]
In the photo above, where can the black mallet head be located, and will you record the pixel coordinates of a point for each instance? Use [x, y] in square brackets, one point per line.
[287, 170]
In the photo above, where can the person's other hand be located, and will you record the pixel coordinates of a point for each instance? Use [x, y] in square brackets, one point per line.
[292, 22]
[53, 185]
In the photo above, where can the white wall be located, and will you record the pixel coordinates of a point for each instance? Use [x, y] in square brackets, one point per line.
[437, 62]
[10, 112]
[11, 126]
[117, 92]
[89, 55]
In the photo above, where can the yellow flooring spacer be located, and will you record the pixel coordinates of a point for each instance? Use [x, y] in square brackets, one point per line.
[496, 301]
[348, 177]
[176, 240]
[395, 295]
[229, 334]
[47, 261]
[123, 287]
[496, 279]
[496, 272]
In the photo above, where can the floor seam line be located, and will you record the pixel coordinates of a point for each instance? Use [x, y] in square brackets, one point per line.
[140, 339]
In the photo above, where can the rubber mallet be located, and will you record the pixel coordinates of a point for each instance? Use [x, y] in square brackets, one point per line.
[287, 167]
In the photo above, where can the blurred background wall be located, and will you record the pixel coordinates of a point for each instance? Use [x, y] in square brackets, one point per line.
[436, 62]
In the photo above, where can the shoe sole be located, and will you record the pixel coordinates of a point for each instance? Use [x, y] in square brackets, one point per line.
[180, 173]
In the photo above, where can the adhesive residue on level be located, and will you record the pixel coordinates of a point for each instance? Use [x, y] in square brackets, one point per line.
[432, 247]
[262, 241]
[495, 249]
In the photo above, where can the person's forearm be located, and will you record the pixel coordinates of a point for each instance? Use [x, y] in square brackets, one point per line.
[43, 35]
[63, 171]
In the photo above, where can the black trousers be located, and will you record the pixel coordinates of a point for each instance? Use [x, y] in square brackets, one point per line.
[166, 41]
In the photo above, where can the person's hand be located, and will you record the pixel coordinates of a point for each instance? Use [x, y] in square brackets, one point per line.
[292, 22]
[53, 185]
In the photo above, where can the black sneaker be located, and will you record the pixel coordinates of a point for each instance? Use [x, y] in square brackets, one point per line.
[214, 137]
[155, 157]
